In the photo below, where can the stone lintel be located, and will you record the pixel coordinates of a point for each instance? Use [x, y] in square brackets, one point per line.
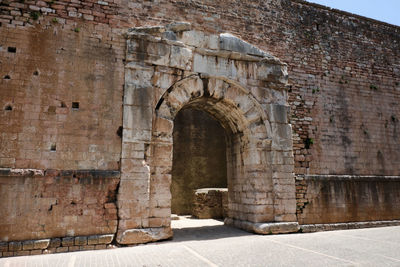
[264, 228]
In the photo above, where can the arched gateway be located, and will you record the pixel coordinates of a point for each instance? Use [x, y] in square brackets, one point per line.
[243, 88]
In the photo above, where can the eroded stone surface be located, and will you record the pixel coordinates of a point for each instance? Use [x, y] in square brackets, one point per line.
[68, 116]
[210, 203]
[220, 71]
[138, 236]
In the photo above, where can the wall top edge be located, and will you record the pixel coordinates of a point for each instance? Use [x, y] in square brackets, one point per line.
[340, 177]
[6, 172]
[346, 13]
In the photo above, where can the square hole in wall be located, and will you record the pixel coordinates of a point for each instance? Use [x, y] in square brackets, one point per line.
[53, 147]
[12, 49]
[75, 105]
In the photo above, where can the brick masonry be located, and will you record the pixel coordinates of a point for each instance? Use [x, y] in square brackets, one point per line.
[62, 79]
[340, 65]
[55, 245]
[346, 199]
[39, 204]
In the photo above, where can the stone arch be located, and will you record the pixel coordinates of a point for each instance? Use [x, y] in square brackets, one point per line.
[225, 95]
[251, 196]
[172, 67]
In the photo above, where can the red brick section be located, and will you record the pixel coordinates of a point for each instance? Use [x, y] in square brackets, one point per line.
[345, 80]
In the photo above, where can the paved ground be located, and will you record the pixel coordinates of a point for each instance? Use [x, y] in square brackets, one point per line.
[214, 244]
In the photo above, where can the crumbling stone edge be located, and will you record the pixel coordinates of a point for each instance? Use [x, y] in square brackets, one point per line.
[295, 227]
[264, 228]
[56, 245]
[132, 236]
[310, 228]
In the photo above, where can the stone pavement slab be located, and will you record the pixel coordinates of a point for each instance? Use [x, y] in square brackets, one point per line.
[217, 245]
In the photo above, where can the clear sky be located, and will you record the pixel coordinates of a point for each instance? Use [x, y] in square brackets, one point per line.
[383, 10]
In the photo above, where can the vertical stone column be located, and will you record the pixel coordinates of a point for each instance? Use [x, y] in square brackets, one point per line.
[134, 190]
[282, 164]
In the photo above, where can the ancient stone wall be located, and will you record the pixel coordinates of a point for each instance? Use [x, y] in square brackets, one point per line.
[62, 84]
[199, 158]
[174, 67]
[39, 204]
[61, 96]
[343, 70]
[343, 199]
[210, 203]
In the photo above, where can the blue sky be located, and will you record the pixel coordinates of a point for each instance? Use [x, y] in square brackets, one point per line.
[383, 10]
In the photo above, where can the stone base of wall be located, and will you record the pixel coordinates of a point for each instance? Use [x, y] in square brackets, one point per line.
[55, 245]
[210, 203]
[144, 235]
[309, 228]
[331, 199]
[264, 228]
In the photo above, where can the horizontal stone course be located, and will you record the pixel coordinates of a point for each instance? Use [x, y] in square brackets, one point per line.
[342, 198]
[309, 228]
[55, 245]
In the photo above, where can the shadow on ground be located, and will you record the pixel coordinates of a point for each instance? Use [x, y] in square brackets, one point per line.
[206, 232]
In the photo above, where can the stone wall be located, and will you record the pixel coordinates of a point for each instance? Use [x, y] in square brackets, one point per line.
[61, 97]
[342, 199]
[199, 158]
[64, 69]
[172, 67]
[344, 77]
[37, 204]
[55, 245]
[210, 203]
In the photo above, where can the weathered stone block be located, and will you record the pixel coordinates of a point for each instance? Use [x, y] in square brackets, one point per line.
[137, 118]
[199, 39]
[277, 113]
[138, 75]
[233, 43]
[61, 249]
[36, 252]
[87, 247]
[55, 242]
[80, 241]
[210, 203]
[27, 245]
[8, 254]
[22, 253]
[207, 65]
[14, 246]
[67, 241]
[105, 239]
[103, 246]
[181, 58]
[41, 244]
[138, 95]
[3, 246]
[138, 236]
[272, 72]
[73, 248]
[179, 26]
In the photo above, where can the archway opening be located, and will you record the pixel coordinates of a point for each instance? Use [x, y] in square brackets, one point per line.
[199, 167]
